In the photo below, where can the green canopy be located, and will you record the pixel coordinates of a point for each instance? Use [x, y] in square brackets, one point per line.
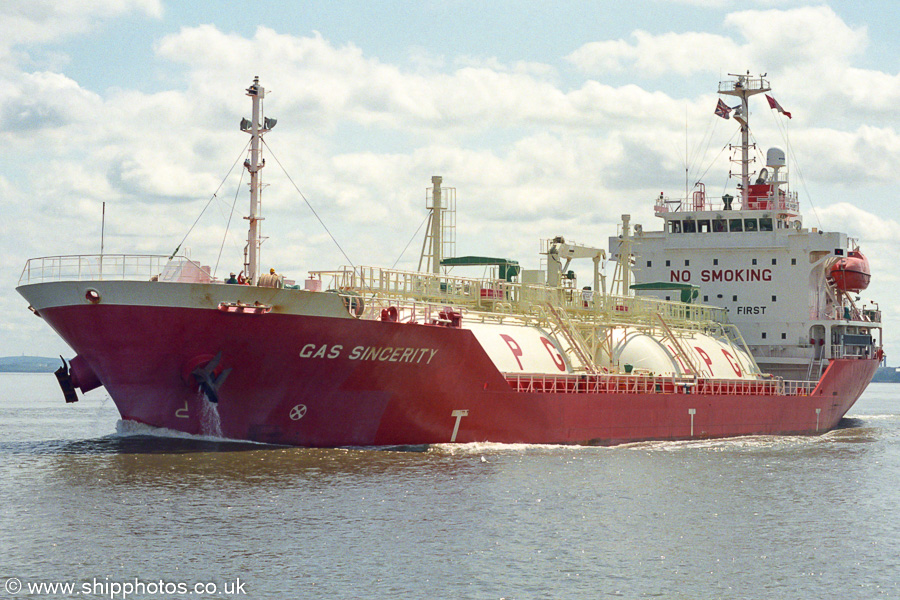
[688, 292]
[508, 268]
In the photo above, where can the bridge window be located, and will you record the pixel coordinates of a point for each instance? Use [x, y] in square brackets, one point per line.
[719, 225]
[765, 224]
[690, 226]
[674, 226]
[736, 224]
[703, 226]
[750, 225]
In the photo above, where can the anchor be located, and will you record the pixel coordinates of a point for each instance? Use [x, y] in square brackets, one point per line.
[210, 381]
[65, 382]
[76, 374]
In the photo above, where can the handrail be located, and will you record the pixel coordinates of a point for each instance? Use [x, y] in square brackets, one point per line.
[516, 298]
[788, 203]
[110, 267]
[651, 384]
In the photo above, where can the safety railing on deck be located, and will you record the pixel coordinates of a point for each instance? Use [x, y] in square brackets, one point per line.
[643, 384]
[848, 313]
[97, 267]
[850, 351]
[507, 297]
[787, 203]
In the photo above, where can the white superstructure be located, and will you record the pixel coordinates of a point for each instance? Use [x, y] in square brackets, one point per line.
[791, 290]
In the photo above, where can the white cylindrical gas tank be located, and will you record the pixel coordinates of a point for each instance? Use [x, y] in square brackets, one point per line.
[517, 348]
[642, 351]
[714, 358]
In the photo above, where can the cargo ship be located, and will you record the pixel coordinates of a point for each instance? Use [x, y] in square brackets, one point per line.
[369, 356]
[792, 290]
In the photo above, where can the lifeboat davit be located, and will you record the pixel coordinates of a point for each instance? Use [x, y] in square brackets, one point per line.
[851, 274]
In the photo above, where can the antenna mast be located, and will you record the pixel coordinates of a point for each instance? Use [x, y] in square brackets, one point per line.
[256, 127]
[743, 88]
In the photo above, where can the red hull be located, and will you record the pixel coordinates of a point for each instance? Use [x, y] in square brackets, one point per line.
[309, 381]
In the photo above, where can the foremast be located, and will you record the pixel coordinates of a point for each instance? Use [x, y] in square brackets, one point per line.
[256, 127]
[743, 88]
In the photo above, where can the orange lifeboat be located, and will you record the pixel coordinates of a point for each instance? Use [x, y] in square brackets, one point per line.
[851, 274]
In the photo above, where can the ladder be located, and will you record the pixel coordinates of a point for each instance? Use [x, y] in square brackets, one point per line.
[565, 328]
[683, 357]
[812, 367]
[817, 366]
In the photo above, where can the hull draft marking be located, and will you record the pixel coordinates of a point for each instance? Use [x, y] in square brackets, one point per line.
[459, 414]
[182, 413]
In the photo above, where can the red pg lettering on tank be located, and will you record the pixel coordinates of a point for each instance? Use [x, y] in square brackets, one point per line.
[734, 364]
[514, 348]
[554, 354]
[705, 357]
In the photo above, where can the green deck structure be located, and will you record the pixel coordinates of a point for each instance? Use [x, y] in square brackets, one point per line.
[688, 292]
[508, 268]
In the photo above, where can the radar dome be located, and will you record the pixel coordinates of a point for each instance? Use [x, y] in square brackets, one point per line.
[775, 157]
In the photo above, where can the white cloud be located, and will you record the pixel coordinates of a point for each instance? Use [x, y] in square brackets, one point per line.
[327, 85]
[798, 38]
[803, 39]
[847, 217]
[36, 101]
[865, 156]
[32, 22]
[655, 55]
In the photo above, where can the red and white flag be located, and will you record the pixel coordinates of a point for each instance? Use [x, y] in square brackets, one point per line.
[774, 104]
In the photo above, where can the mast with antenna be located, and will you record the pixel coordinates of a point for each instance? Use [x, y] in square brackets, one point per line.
[256, 127]
[743, 88]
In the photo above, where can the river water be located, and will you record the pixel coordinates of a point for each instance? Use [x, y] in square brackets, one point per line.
[122, 512]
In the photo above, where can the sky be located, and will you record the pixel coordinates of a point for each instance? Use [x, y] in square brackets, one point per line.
[547, 118]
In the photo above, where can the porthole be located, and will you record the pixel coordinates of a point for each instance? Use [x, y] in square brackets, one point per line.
[92, 296]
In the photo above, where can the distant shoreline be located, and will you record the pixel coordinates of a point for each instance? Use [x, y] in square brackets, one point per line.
[29, 364]
[886, 375]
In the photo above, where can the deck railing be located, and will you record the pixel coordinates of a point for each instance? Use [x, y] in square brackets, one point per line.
[853, 351]
[96, 267]
[644, 384]
[514, 298]
[788, 203]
